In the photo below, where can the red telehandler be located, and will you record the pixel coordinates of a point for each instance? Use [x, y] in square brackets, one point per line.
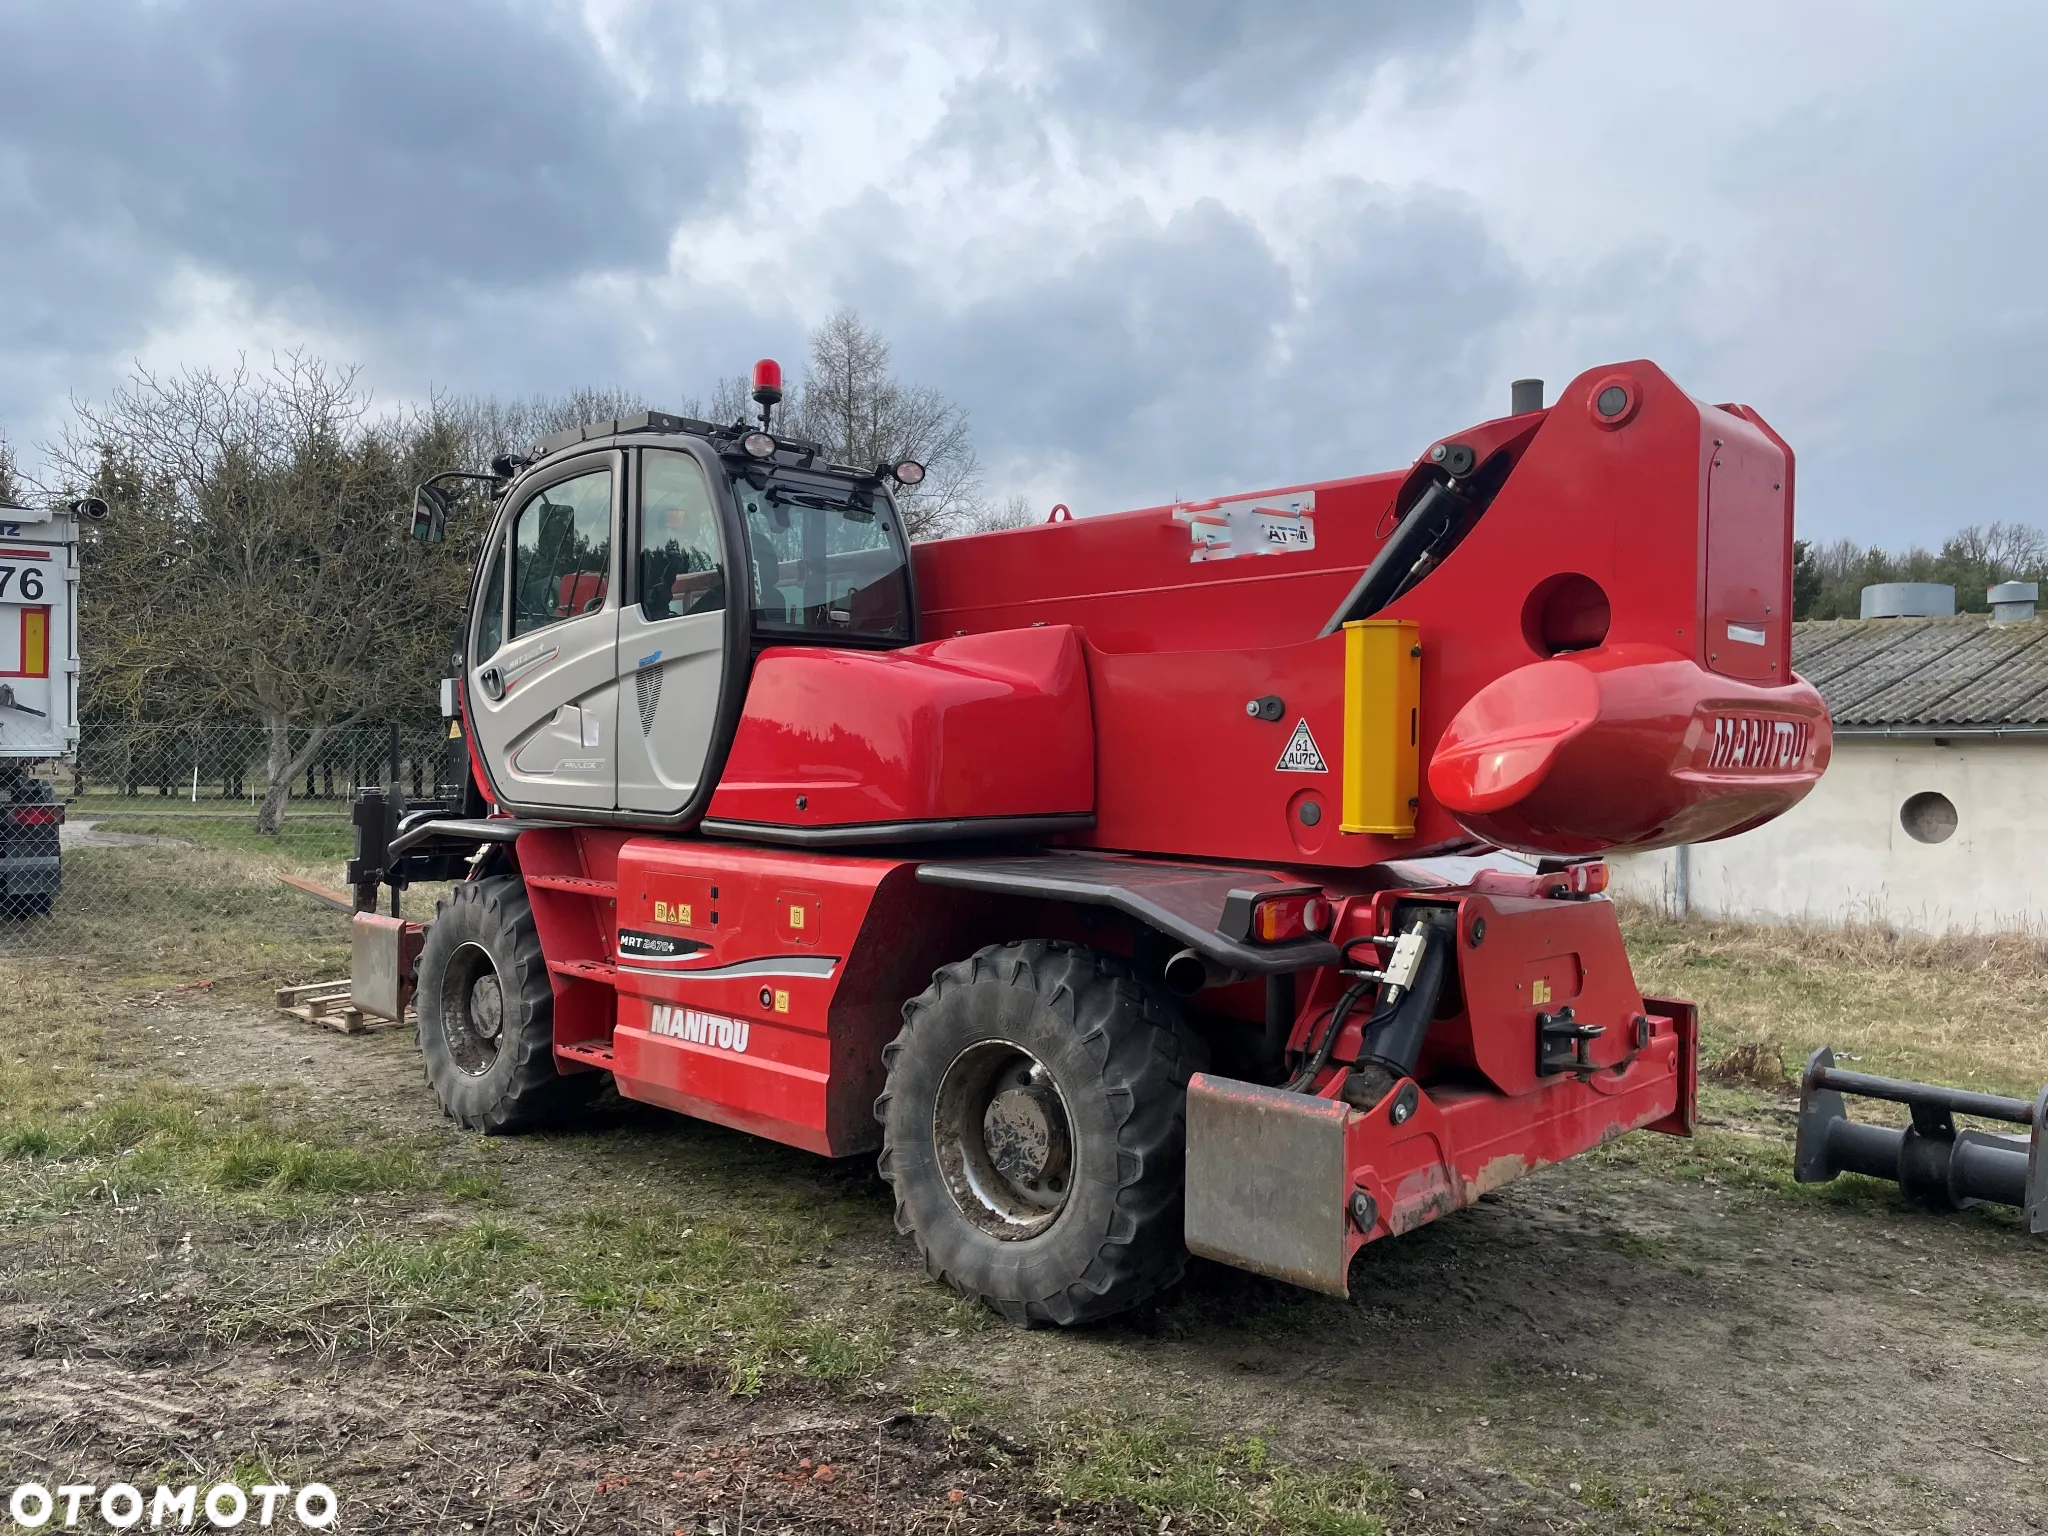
[1076, 867]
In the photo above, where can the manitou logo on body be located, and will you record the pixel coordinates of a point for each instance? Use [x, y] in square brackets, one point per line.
[123, 1506]
[699, 1028]
[1755, 741]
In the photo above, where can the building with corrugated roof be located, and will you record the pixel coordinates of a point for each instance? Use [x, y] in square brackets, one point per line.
[1933, 815]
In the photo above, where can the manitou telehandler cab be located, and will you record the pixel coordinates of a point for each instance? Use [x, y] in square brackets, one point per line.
[1076, 867]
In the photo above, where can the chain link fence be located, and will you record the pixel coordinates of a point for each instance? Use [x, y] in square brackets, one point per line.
[141, 854]
[213, 769]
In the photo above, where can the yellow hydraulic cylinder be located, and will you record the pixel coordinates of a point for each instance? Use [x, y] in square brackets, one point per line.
[1382, 726]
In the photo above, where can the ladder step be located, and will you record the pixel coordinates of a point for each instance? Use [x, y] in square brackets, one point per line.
[586, 970]
[596, 1053]
[576, 884]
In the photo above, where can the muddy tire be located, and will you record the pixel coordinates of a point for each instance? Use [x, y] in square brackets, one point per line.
[1034, 1128]
[486, 1010]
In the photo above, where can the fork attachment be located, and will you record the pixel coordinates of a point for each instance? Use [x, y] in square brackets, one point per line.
[1931, 1160]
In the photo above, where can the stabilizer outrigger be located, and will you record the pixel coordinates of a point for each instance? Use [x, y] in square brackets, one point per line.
[1931, 1160]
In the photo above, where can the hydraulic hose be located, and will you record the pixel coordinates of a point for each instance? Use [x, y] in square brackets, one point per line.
[1395, 1035]
[1312, 1066]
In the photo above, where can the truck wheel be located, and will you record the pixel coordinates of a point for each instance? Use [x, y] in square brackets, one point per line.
[1034, 1128]
[487, 1013]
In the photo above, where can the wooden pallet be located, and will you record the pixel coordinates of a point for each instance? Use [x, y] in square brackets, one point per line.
[341, 901]
[327, 1002]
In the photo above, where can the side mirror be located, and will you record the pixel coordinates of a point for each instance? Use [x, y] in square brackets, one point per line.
[430, 513]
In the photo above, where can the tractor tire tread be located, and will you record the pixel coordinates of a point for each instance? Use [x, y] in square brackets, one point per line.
[1143, 1055]
[534, 1094]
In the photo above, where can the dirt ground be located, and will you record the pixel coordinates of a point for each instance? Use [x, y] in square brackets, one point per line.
[1664, 1336]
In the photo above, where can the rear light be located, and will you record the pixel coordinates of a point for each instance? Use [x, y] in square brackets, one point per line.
[37, 815]
[1275, 915]
[1280, 918]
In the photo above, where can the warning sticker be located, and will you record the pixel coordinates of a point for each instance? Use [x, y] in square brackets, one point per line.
[1302, 755]
[1223, 530]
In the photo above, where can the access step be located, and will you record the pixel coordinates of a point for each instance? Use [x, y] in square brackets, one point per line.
[601, 971]
[592, 1053]
[575, 884]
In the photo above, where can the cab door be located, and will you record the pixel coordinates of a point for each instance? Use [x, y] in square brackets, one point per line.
[544, 692]
[672, 635]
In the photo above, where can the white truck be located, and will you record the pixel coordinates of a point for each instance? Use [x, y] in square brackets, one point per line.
[38, 692]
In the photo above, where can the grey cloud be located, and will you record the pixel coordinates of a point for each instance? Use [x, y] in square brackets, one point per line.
[1405, 306]
[1136, 355]
[671, 352]
[998, 127]
[1186, 358]
[364, 159]
[368, 148]
[1221, 66]
[1896, 330]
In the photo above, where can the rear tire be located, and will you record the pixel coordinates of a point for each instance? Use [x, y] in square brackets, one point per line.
[487, 1013]
[1034, 1131]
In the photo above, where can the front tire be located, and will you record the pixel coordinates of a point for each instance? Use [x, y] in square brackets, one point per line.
[1034, 1131]
[487, 1013]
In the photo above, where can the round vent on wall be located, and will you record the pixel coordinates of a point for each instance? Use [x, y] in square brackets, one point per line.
[1928, 817]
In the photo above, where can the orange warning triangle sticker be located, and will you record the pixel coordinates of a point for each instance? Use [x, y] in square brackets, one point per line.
[1301, 755]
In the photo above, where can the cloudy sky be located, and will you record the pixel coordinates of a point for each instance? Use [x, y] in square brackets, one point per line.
[1157, 248]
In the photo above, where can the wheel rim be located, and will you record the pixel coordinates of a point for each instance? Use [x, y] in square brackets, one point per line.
[1005, 1140]
[472, 1010]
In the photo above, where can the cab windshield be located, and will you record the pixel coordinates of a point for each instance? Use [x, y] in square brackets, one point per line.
[826, 559]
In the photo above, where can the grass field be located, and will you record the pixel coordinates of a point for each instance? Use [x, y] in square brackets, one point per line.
[652, 1323]
[1965, 1010]
[312, 829]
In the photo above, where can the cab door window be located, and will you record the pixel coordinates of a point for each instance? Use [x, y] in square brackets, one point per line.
[490, 621]
[679, 569]
[562, 552]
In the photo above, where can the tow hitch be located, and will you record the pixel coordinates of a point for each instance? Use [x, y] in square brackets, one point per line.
[1930, 1160]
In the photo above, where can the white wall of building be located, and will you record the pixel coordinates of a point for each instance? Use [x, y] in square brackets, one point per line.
[1842, 854]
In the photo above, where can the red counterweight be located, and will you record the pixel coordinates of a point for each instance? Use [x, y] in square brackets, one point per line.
[1597, 652]
[1084, 868]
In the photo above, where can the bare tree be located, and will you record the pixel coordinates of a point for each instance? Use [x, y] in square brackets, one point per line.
[488, 426]
[10, 490]
[731, 401]
[996, 516]
[258, 563]
[1829, 578]
[862, 414]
